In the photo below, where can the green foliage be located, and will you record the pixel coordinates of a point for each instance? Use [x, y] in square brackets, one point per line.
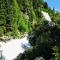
[2, 30]
[56, 53]
[12, 15]
[2, 12]
[12, 18]
[44, 50]
[44, 41]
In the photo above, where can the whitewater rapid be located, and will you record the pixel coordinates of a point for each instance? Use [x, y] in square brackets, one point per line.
[14, 47]
[46, 16]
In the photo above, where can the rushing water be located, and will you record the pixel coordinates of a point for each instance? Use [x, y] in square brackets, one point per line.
[46, 16]
[11, 49]
[14, 47]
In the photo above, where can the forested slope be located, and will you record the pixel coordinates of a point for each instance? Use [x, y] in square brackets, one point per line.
[19, 16]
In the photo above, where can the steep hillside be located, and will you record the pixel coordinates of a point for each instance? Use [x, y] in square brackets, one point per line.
[19, 16]
[12, 20]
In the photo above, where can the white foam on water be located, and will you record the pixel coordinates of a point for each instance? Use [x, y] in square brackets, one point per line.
[46, 16]
[13, 48]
